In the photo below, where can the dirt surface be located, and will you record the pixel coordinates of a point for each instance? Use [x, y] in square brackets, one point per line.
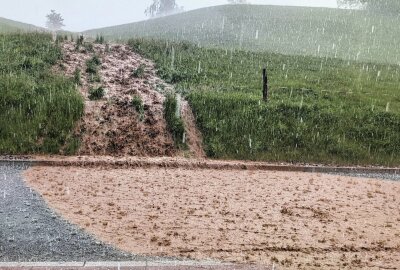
[112, 126]
[194, 138]
[31, 231]
[295, 220]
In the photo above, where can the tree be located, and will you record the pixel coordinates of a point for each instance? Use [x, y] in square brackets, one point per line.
[162, 8]
[55, 21]
[237, 2]
[385, 6]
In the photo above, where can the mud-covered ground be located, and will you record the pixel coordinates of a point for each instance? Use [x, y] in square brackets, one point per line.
[112, 125]
[31, 231]
[295, 220]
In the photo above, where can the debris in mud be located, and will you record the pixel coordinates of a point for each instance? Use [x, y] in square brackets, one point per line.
[111, 125]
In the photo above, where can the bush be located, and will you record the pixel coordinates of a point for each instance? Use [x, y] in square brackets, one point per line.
[96, 93]
[174, 123]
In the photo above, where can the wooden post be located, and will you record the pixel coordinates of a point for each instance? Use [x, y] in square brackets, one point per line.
[265, 85]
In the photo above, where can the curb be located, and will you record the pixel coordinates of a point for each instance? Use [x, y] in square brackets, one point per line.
[201, 164]
[135, 265]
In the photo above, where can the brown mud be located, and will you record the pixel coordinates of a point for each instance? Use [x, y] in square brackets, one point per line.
[295, 220]
[112, 126]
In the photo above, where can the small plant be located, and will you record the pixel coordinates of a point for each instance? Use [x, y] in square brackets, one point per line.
[88, 46]
[174, 122]
[96, 93]
[92, 65]
[80, 40]
[94, 78]
[139, 72]
[77, 76]
[99, 39]
[137, 104]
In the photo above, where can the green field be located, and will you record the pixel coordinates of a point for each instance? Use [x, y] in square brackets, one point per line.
[9, 26]
[38, 109]
[322, 32]
[321, 109]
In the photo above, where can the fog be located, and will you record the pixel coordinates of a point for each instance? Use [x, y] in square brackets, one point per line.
[88, 14]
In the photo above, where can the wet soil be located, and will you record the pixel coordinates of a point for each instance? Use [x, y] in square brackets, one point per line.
[112, 125]
[295, 220]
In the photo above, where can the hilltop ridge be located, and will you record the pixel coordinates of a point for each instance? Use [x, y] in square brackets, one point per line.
[324, 32]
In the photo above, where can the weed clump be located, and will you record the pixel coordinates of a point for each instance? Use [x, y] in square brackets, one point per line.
[137, 104]
[139, 72]
[77, 76]
[99, 39]
[96, 93]
[92, 65]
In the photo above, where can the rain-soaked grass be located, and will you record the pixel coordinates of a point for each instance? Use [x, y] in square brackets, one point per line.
[325, 32]
[38, 109]
[320, 109]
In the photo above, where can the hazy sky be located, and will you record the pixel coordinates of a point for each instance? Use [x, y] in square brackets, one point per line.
[81, 15]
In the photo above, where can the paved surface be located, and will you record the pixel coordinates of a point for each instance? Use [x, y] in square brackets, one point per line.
[30, 231]
[383, 176]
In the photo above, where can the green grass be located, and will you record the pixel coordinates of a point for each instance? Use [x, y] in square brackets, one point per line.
[174, 122]
[137, 104]
[96, 93]
[320, 110]
[38, 109]
[10, 26]
[322, 32]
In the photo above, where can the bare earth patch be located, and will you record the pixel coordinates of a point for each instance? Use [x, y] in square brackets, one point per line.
[112, 126]
[295, 220]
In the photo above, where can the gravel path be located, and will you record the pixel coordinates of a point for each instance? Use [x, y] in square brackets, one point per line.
[30, 231]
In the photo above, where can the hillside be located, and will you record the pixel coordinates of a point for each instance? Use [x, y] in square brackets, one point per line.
[345, 34]
[8, 26]
[320, 110]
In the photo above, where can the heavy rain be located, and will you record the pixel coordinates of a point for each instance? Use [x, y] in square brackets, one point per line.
[188, 134]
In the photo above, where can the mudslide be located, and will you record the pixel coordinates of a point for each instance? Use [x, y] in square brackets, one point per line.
[111, 125]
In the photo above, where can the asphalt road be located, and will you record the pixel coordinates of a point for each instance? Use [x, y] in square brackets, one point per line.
[30, 231]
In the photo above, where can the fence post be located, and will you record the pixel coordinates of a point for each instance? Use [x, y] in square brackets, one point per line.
[265, 85]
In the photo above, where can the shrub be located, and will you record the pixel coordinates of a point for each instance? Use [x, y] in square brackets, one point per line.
[96, 93]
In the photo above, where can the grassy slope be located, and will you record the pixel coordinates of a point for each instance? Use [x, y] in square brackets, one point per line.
[9, 26]
[37, 108]
[321, 110]
[289, 30]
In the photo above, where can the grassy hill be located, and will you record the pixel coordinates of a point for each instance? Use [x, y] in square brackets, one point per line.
[38, 109]
[320, 110]
[10, 26]
[346, 34]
